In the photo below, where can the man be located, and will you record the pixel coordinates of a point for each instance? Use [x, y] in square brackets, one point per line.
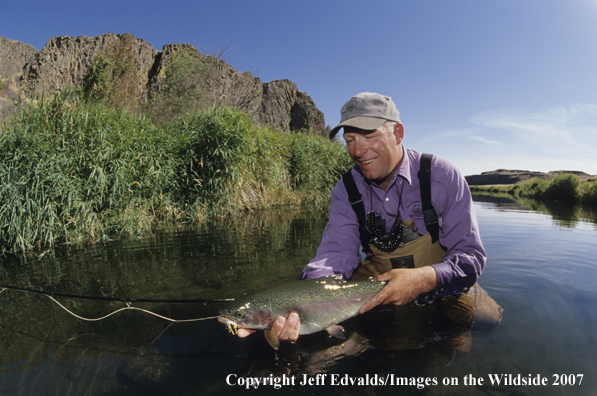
[441, 265]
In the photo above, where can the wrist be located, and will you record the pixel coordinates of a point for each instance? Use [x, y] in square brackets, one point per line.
[429, 287]
[429, 279]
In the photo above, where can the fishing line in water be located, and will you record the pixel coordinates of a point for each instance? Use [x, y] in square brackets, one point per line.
[148, 300]
[126, 300]
[128, 306]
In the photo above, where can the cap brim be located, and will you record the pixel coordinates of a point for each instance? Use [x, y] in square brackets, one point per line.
[365, 123]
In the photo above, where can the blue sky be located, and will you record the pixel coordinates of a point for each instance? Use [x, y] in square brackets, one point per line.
[487, 84]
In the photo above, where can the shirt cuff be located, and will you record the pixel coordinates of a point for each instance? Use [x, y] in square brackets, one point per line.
[446, 285]
[314, 271]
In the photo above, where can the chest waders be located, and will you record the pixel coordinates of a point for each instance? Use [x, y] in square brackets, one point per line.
[475, 304]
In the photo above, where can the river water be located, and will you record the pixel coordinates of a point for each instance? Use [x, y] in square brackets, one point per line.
[541, 270]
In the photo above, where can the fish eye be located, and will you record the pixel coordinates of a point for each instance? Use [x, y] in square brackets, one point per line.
[240, 314]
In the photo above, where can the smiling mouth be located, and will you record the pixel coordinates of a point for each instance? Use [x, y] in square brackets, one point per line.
[367, 162]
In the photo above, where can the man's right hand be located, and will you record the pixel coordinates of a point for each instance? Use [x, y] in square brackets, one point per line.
[287, 328]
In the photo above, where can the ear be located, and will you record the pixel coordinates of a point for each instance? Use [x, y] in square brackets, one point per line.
[399, 132]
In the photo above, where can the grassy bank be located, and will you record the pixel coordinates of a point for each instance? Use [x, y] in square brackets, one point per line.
[76, 171]
[565, 188]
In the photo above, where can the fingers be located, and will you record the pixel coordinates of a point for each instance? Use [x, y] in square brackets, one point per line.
[288, 328]
[403, 286]
[386, 295]
[242, 333]
[380, 298]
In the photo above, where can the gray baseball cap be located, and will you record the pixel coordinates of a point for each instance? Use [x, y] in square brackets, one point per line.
[367, 111]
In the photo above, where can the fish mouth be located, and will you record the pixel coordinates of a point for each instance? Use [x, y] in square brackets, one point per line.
[232, 324]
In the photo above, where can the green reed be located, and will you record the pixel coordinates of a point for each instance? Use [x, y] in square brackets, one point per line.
[77, 171]
[566, 188]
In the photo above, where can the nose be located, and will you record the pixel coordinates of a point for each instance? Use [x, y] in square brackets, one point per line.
[359, 147]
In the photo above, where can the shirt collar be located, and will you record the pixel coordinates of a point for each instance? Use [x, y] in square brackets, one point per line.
[404, 168]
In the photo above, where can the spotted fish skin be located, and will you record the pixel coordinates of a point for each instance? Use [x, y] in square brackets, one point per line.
[321, 303]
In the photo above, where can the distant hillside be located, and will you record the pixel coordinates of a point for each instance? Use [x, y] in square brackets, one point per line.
[504, 176]
[64, 61]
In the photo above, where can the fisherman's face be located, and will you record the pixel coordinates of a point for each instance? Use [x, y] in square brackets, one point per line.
[377, 153]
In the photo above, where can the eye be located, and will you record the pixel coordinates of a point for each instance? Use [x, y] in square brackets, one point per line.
[240, 314]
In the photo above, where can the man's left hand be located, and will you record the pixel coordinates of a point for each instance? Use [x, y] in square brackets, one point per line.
[403, 286]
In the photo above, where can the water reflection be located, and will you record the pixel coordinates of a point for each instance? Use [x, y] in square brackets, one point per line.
[402, 341]
[223, 258]
[541, 270]
[563, 215]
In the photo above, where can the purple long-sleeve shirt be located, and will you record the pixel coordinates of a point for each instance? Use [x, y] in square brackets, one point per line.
[465, 255]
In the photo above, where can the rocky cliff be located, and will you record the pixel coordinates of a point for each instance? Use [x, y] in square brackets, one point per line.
[13, 56]
[65, 60]
[504, 176]
[278, 103]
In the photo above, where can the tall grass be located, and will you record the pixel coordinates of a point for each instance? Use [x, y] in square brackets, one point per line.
[74, 171]
[566, 188]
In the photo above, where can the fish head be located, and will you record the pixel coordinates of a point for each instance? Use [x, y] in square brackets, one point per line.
[247, 316]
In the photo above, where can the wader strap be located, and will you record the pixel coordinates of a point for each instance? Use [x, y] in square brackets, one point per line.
[429, 213]
[356, 201]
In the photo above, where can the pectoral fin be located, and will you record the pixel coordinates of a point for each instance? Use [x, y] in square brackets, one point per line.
[337, 331]
[272, 338]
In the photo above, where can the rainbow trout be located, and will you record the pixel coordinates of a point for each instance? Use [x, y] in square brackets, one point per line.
[321, 304]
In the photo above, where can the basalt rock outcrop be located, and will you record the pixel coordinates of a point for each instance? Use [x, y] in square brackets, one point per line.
[13, 57]
[277, 103]
[504, 176]
[64, 61]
